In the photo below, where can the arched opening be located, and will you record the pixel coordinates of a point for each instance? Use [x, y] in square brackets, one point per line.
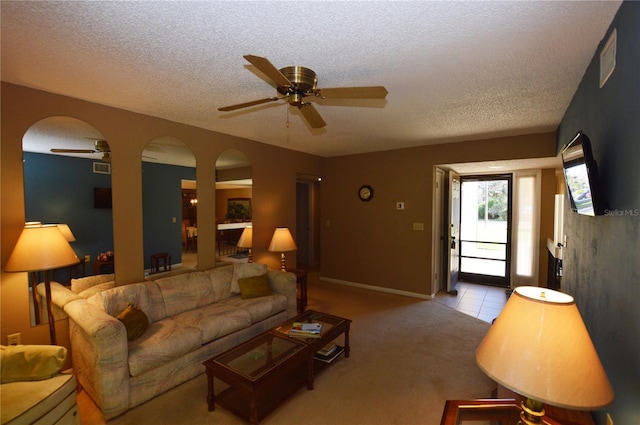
[169, 205]
[67, 178]
[234, 193]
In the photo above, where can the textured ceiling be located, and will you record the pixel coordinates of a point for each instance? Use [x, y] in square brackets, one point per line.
[454, 70]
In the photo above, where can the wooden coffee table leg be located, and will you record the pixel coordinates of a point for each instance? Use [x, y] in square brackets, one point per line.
[347, 347]
[253, 410]
[310, 377]
[211, 402]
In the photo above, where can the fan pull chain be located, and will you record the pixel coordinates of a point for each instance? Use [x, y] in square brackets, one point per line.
[288, 106]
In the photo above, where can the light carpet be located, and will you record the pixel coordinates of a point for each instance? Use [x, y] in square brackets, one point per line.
[408, 356]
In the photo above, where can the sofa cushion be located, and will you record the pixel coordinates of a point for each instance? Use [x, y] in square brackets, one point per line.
[134, 320]
[163, 342]
[30, 362]
[241, 270]
[254, 287]
[260, 308]
[220, 278]
[97, 288]
[215, 320]
[186, 292]
[84, 283]
[113, 301]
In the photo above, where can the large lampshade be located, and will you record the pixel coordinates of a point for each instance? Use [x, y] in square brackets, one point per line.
[540, 348]
[282, 242]
[41, 248]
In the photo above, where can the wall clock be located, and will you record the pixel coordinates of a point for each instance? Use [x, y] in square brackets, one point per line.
[365, 193]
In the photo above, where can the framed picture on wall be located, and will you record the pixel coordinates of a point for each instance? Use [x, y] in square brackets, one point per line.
[238, 209]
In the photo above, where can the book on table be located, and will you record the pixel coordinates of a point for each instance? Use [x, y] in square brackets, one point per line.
[306, 330]
[336, 351]
[328, 349]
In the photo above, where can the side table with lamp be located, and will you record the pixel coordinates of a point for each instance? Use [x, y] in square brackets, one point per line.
[539, 348]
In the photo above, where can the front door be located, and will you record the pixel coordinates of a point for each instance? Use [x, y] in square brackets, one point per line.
[485, 223]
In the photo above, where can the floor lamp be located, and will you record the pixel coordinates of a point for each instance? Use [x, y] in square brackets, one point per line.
[540, 348]
[41, 248]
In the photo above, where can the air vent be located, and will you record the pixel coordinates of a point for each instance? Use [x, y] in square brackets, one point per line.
[102, 168]
[608, 58]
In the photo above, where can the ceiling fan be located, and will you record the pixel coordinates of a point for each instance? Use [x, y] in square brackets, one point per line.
[294, 83]
[100, 145]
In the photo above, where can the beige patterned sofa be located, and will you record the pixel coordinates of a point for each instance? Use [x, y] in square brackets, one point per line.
[192, 317]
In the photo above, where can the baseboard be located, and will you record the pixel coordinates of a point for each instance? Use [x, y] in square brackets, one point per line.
[377, 288]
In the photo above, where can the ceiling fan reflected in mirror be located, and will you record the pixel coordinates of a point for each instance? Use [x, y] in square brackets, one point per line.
[295, 83]
[100, 145]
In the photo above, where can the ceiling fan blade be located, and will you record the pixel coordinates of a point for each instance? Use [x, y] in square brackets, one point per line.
[373, 92]
[269, 70]
[311, 114]
[247, 104]
[73, 150]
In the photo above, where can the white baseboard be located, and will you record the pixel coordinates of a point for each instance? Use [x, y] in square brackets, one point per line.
[377, 288]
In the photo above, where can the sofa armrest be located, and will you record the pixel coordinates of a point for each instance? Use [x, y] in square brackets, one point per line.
[285, 283]
[99, 352]
[60, 296]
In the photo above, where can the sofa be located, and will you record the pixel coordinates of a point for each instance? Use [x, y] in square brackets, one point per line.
[33, 390]
[133, 342]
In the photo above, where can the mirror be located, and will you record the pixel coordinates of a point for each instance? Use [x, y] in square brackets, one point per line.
[71, 186]
[169, 206]
[234, 192]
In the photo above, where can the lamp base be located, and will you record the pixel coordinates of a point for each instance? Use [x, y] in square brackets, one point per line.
[283, 264]
[532, 412]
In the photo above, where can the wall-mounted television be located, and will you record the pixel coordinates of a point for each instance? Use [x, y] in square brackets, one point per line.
[102, 197]
[581, 177]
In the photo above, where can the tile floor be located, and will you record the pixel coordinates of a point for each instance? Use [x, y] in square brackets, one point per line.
[482, 301]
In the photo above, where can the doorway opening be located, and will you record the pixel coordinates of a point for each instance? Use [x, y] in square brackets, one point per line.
[485, 229]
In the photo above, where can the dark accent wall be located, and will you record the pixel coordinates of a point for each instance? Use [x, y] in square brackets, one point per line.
[601, 257]
[162, 202]
[59, 189]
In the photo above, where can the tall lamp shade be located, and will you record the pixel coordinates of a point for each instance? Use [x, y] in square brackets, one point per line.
[42, 248]
[246, 240]
[540, 348]
[282, 242]
[66, 232]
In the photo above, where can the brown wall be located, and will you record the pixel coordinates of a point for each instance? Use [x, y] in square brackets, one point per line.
[274, 189]
[372, 243]
[362, 242]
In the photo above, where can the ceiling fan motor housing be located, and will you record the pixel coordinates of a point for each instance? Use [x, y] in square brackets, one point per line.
[304, 82]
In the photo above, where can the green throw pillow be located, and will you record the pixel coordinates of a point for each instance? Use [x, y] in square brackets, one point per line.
[30, 362]
[134, 320]
[254, 287]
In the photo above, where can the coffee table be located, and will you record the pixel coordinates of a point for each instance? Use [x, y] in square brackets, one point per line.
[332, 328]
[264, 371]
[254, 369]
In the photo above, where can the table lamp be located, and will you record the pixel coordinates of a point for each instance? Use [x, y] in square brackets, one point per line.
[282, 242]
[540, 348]
[42, 248]
[246, 240]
